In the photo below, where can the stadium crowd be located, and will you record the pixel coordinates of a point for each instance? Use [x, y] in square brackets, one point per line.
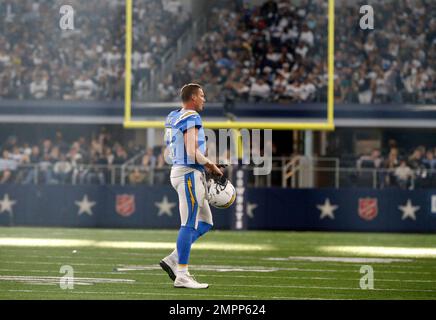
[101, 158]
[395, 62]
[39, 60]
[266, 53]
[415, 168]
[272, 52]
[277, 52]
[86, 160]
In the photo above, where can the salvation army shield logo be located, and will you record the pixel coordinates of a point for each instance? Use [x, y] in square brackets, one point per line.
[125, 204]
[368, 208]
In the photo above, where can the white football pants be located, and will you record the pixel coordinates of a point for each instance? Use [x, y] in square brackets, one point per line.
[190, 185]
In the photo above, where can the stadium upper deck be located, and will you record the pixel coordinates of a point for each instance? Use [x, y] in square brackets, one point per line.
[273, 52]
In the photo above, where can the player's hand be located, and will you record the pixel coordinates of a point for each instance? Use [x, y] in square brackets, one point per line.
[214, 170]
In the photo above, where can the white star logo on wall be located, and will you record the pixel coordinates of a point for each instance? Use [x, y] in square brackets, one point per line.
[165, 207]
[327, 209]
[85, 206]
[409, 211]
[6, 204]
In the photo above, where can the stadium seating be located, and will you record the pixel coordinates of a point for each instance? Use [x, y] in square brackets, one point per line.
[86, 63]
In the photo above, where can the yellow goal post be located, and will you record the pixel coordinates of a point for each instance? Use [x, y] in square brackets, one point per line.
[327, 125]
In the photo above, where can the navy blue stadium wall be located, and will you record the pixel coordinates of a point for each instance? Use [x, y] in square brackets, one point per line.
[269, 208]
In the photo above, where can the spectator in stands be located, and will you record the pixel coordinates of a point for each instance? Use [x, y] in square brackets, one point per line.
[260, 90]
[7, 167]
[279, 87]
[149, 160]
[62, 169]
[120, 156]
[306, 36]
[136, 176]
[75, 155]
[45, 169]
[93, 174]
[84, 87]
[46, 146]
[16, 154]
[307, 90]
[365, 86]
[430, 161]
[391, 162]
[403, 174]
[161, 172]
[416, 159]
[166, 90]
[108, 156]
[60, 143]
[34, 158]
[374, 160]
[38, 87]
[269, 10]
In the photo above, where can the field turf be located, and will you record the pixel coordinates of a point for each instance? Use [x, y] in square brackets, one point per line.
[123, 264]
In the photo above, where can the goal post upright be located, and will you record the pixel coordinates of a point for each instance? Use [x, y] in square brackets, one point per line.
[322, 126]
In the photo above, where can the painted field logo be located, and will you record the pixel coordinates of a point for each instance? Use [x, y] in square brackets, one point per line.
[125, 204]
[368, 208]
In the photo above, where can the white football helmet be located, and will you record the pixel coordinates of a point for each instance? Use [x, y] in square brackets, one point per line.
[221, 193]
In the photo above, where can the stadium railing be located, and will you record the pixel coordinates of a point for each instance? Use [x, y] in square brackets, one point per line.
[286, 172]
[40, 173]
[129, 163]
[315, 172]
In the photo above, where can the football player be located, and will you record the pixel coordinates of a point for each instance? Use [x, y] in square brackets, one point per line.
[186, 147]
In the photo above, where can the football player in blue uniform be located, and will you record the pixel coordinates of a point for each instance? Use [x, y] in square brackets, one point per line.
[186, 147]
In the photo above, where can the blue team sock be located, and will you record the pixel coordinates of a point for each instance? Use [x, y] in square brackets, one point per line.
[202, 228]
[184, 241]
[187, 236]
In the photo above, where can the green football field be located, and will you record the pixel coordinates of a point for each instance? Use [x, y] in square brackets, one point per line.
[123, 264]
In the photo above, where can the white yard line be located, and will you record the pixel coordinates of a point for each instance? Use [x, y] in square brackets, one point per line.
[336, 259]
[228, 276]
[145, 257]
[295, 278]
[172, 294]
[59, 263]
[49, 278]
[234, 268]
[321, 288]
[227, 268]
[133, 293]
[57, 271]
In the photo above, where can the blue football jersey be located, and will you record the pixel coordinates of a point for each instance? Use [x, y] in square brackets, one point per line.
[176, 124]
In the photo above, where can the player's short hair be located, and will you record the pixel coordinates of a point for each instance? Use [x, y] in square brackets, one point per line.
[188, 90]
